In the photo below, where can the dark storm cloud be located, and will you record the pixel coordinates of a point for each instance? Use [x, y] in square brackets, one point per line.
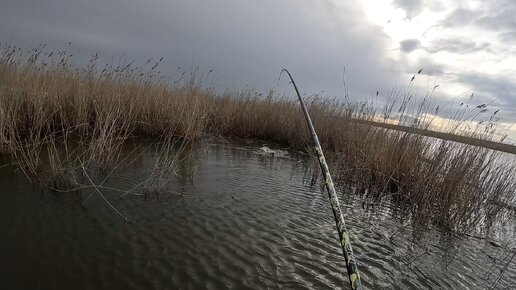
[412, 7]
[409, 45]
[246, 42]
[456, 45]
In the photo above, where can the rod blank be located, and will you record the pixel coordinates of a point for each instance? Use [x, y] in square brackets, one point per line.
[347, 250]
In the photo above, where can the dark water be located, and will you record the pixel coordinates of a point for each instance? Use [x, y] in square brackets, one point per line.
[247, 222]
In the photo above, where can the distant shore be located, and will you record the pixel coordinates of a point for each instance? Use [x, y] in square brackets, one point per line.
[507, 148]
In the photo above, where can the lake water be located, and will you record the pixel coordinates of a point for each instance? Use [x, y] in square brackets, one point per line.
[241, 221]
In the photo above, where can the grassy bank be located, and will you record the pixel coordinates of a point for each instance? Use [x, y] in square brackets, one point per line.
[47, 100]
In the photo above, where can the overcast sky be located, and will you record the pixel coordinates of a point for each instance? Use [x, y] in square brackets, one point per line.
[464, 46]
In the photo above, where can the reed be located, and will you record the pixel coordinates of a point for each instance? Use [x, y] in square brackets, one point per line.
[45, 99]
[171, 156]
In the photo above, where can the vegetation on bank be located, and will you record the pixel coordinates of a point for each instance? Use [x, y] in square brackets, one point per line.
[79, 117]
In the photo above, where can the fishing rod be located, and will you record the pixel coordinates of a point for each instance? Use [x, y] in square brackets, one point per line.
[347, 250]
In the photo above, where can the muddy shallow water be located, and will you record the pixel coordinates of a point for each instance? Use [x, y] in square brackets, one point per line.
[242, 220]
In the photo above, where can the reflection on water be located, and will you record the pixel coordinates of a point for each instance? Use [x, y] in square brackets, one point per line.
[247, 221]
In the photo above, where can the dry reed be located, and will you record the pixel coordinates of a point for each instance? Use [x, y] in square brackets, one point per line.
[44, 98]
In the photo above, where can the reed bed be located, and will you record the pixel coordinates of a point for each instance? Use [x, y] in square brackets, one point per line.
[47, 102]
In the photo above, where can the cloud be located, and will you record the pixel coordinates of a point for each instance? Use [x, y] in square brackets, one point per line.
[507, 36]
[490, 86]
[456, 45]
[409, 45]
[495, 15]
[249, 42]
[460, 17]
[246, 42]
[435, 5]
[427, 65]
[412, 7]
[501, 19]
[410, 67]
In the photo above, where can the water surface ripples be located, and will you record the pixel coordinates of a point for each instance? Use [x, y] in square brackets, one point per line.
[247, 222]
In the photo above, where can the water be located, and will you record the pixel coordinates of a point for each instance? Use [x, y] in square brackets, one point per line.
[246, 222]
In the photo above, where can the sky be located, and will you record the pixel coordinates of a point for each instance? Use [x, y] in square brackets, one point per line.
[466, 47]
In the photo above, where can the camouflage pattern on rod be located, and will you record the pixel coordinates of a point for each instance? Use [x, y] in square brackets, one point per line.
[354, 276]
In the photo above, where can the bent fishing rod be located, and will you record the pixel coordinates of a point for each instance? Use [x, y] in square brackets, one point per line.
[351, 266]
